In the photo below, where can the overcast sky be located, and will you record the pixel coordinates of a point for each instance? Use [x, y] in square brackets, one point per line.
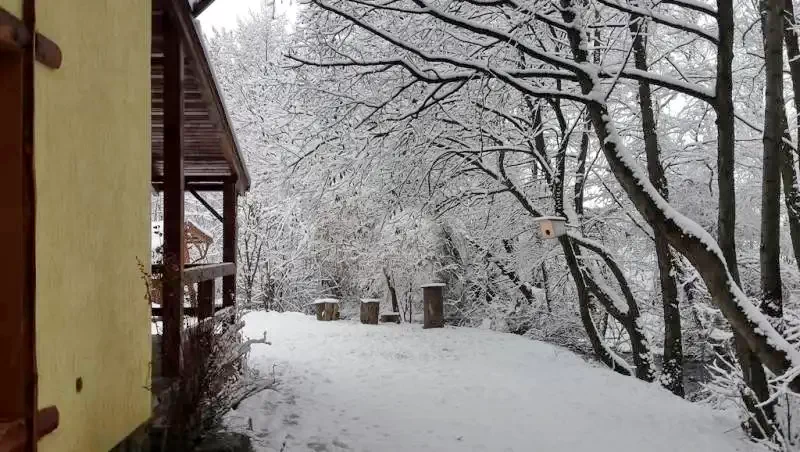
[223, 13]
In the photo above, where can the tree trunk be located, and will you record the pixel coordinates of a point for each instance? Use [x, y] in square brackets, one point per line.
[546, 286]
[585, 285]
[791, 194]
[603, 354]
[771, 295]
[580, 171]
[726, 219]
[685, 235]
[392, 291]
[672, 371]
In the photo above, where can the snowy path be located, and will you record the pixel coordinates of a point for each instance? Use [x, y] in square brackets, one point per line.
[344, 386]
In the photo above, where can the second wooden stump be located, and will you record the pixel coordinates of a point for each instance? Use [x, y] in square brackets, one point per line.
[433, 305]
[370, 307]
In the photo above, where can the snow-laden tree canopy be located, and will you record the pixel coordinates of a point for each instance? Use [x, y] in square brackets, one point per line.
[397, 142]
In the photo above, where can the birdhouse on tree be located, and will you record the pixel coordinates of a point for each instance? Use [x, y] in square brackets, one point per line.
[552, 227]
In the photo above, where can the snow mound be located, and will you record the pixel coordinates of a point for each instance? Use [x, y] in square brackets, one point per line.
[343, 386]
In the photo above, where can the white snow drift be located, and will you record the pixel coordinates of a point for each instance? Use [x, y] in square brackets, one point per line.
[343, 386]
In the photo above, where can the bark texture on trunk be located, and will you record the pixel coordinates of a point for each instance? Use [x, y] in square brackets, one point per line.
[771, 294]
[726, 219]
[392, 291]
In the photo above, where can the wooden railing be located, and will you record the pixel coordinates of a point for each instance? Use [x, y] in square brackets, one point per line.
[205, 276]
[174, 332]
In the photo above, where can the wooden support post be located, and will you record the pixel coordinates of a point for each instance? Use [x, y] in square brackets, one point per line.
[205, 299]
[370, 308]
[174, 235]
[433, 305]
[229, 198]
[14, 328]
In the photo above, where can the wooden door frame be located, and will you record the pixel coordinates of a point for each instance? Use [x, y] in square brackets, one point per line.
[15, 356]
[21, 422]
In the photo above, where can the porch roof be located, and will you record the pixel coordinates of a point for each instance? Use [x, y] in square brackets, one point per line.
[211, 152]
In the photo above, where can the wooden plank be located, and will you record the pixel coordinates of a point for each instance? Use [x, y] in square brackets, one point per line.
[31, 388]
[48, 52]
[205, 299]
[193, 273]
[173, 281]
[188, 311]
[14, 35]
[229, 198]
[193, 186]
[208, 272]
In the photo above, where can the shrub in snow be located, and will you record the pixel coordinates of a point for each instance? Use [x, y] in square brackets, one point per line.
[213, 380]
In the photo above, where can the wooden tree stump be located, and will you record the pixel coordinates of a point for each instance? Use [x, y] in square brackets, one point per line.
[327, 309]
[433, 305]
[320, 310]
[390, 317]
[332, 310]
[370, 307]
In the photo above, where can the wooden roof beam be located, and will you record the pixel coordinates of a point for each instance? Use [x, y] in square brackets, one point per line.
[179, 12]
[201, 6]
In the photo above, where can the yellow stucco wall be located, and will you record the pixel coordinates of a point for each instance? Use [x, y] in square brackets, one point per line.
[92, 165]
[12, 6]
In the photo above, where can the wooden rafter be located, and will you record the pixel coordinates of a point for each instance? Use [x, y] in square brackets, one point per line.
[211, 147]
[201, 6]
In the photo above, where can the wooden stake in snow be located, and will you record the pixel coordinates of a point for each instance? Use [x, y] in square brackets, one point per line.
[370, 307]
[433, 305]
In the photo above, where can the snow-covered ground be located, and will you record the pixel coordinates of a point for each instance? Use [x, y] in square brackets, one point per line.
[343, 386]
